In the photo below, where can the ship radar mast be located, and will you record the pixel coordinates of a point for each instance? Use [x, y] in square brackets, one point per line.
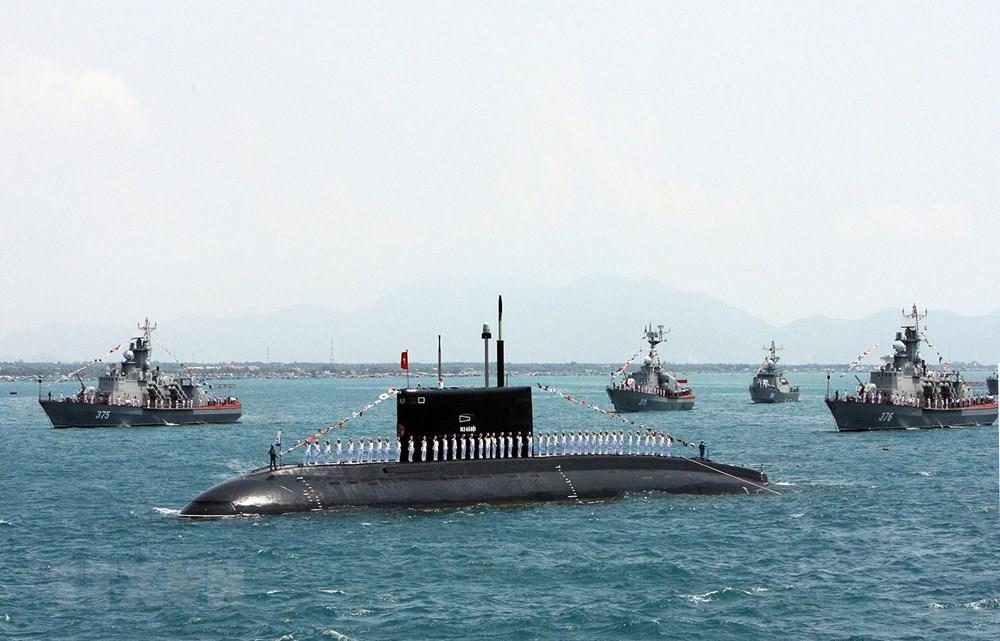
[907, 343]
[654, 337]
[142, 345]
[772, 357]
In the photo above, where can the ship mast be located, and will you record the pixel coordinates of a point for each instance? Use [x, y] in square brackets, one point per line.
[910, 337]
[654, 338]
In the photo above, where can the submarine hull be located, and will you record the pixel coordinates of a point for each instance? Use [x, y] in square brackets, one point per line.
[66, 414]
[313, 488]
[858, 417]
[626, 400]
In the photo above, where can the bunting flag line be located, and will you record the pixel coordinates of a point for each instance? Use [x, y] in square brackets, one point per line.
[857, 361]
[384, 396]
[941, 359]
[93, 361]
[629, 362]
[600, 410]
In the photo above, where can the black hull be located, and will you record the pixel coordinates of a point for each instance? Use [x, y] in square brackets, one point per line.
[63, 414]
[861, 417]
[451, 483]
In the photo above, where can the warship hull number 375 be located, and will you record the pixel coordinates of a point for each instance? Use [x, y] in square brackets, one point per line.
[134, 393]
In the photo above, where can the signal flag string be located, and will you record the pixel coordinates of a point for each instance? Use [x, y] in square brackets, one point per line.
[600, 410]
[631, 359]
[93, 361]
[384, 396]
[580, 401]
[860, 357]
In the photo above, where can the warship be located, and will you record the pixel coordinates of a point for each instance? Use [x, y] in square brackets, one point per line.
[905, 393]
[770, 384]
[650, 388]
[134, 393]
[526, 472]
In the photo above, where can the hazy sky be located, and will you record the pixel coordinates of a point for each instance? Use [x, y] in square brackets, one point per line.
[788, 158]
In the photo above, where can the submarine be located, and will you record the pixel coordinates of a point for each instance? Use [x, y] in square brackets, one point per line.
[521, 475]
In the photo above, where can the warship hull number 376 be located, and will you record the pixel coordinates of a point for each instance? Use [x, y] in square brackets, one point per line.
[905, 393]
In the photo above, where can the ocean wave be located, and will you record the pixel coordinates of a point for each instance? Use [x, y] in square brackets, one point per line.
[166, 511]
[330, 632]
[708, 597]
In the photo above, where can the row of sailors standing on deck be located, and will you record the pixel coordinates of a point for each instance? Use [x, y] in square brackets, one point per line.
[928, 402]
[366, 451]
[489, 446]
[621, 442]
[467, 447]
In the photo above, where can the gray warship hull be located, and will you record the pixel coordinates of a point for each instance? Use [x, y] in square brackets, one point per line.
[760, 394]
[852, 416]
[64, 414]
[314, 488]
[633, 401]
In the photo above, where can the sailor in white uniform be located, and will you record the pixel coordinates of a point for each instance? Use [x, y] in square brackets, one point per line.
[340, 452]
[531, 452]
[423, 449]
[435, 447]
[462, 446]
[454, 447]
[409, 450]
[326, 453]
[510, 445]
[350, 450]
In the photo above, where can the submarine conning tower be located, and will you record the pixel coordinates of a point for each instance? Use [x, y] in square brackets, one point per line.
[455, 411]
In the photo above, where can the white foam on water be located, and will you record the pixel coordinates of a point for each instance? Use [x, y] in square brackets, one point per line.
[983, 604]
[330, 591]
[922, 473]
[269, 592]
[700, 598]
[5, 522]
[286, 637]
[166, 511]
[360, 612]
[336, 635]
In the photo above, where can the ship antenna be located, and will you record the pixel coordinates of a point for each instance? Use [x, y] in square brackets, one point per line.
[440, 379]
[486, 336]
[500, 376]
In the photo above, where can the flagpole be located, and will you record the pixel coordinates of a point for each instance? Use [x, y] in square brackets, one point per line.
[407, 368]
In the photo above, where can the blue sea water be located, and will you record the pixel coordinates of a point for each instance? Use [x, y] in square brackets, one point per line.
[876, 536]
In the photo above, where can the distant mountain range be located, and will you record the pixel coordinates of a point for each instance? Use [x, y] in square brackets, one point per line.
[596, 319]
